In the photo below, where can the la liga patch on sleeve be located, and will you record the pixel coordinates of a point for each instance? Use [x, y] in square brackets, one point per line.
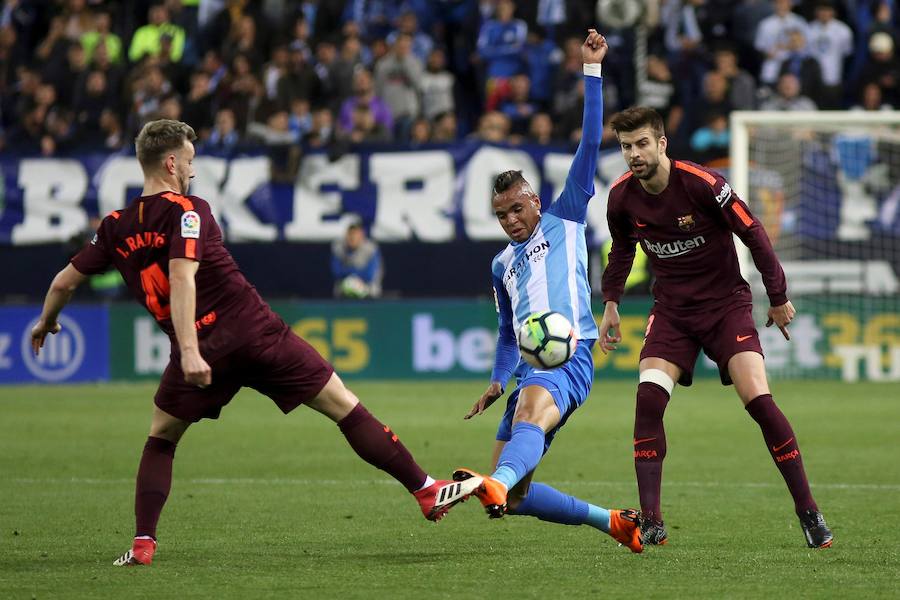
[190, 225]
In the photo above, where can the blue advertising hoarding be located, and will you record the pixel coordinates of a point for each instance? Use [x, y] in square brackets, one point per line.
[79, 352]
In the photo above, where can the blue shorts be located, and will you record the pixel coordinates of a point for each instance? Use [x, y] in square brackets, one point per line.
[569, 385]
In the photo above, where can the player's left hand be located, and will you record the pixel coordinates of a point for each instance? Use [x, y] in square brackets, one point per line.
[490, 395]
[39, 333]
[781, 316]
[594, 48]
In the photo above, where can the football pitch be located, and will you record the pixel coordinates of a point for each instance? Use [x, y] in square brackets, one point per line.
[264, 505]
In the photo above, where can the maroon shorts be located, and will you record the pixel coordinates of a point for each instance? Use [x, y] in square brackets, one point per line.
[678, 338]
[282, 366]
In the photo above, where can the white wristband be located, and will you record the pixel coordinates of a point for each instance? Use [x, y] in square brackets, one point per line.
[592, 69]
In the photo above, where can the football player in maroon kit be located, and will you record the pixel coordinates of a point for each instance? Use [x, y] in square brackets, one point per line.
[684, 216]
[169, 250]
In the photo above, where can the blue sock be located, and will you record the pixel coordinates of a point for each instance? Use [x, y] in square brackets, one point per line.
[521, 454]
[549, 504]
[597, 518]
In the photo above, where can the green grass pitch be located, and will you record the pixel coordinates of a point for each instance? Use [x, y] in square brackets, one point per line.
[264, 505]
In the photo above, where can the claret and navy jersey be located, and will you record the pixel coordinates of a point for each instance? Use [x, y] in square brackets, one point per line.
[140, 240]
[686, 232]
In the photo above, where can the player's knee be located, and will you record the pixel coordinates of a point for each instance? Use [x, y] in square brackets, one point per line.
[335, 400]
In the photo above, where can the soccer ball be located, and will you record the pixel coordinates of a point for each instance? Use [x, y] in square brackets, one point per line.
[547, 340]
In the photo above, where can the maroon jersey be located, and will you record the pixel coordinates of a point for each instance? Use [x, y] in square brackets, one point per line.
[140, 240]
[686, 232]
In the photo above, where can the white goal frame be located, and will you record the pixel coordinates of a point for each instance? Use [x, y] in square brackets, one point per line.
[739, 151]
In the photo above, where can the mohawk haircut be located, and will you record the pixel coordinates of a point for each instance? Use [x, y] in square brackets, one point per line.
[158, 138]
[637, 117]
[506, 180]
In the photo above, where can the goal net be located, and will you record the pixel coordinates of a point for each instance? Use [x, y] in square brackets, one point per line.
[826, 186]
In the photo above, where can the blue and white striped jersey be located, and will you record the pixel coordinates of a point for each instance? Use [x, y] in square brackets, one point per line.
[548, 271]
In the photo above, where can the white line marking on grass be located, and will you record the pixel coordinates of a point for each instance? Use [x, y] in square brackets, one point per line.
[895, 487]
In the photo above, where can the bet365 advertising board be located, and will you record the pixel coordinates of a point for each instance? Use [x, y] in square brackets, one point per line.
[451, 339]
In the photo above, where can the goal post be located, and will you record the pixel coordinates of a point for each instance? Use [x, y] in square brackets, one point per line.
[826, 185]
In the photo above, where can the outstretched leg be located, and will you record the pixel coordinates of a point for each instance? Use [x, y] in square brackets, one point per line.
[154, 480]
[747, 370]
[376, 444]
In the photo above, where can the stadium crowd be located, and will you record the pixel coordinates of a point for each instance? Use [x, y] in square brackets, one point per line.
[87, 74]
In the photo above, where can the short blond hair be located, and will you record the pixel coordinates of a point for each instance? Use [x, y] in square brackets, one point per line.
[158, 138]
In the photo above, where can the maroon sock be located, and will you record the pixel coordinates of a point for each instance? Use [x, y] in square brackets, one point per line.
[783, 447]
[376, 444]
[650, 446]
[154, 479]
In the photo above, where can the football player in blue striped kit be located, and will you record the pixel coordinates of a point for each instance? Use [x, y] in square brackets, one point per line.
[545, 268]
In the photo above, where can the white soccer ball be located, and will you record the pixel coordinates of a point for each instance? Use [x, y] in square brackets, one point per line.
[547, 340]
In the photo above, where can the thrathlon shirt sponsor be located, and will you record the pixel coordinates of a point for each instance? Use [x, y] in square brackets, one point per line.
[673, 249]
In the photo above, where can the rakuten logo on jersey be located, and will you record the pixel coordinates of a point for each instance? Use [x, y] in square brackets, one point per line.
[676, 248]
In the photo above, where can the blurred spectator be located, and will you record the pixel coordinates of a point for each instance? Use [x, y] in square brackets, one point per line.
[408, 24]
[275, 69]
[420, 132]
[788, 96]
[804, 67]
[493, 127]
[684, 41]
[198, 105]
[364, 128]
[397, 79]
[300, 36]
[113, 136]
[710, 142]
[500, 45]
[243, 40]
[772, 38]
[540, 129]
[334, 86]
[658, 92]
[566, 96]
[568, 123]
[741, 85]
[170, 108]
[714, 101]
[830, 41]
[883, 67]
[77, 19]
[281, 142]
[445, 128]
[518, 106]
[146, 40]
[150, 86]
[437, 86]
[300, 80]
[321, 133]
[101, 34]
[12, 56]
[364, 93]
[551, 14]
[300, 119]
[224, 136]
[89, 104]
[871, 98]
[542, 58]
[241, 91]
[375, 19]
[356, 264]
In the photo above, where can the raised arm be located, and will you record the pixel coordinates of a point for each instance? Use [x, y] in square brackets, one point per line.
[579, 187]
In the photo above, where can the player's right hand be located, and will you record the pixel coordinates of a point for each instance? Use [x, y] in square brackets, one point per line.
[609, 327]
[196, 370]
[493, 392]
[39, 333]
